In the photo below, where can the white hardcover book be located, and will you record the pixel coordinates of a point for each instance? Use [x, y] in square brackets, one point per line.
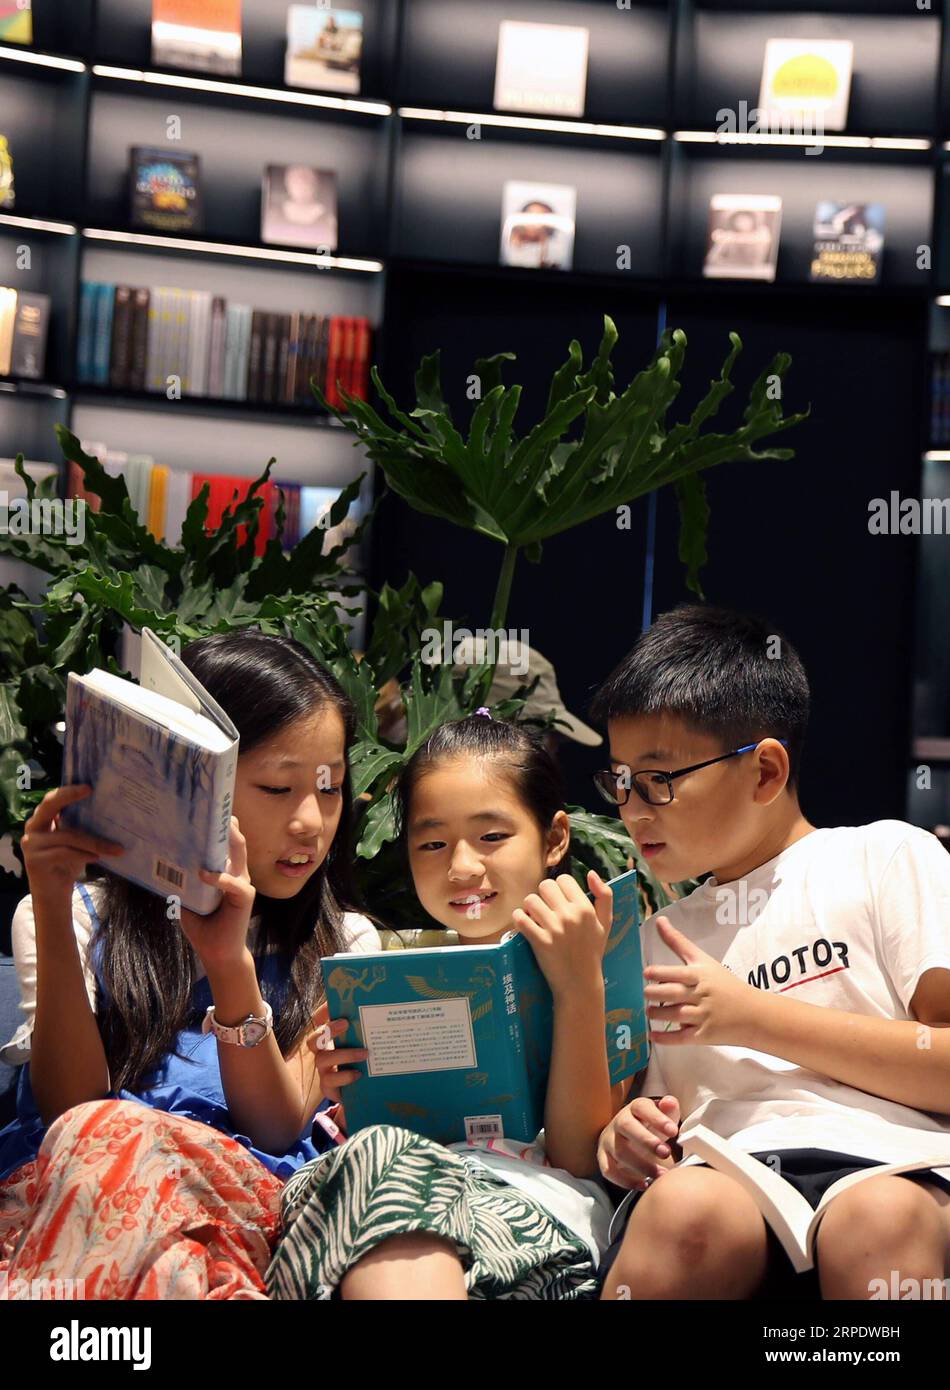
[177, 502]
[792, 1219]
[216, 343]
[160, 758]
[244, 352]
[541, 68]
[806, 85]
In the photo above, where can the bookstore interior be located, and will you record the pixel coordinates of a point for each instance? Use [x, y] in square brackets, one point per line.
[276, 279]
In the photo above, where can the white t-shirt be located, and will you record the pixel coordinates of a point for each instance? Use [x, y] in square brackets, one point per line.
[359, 934]
[848, 919]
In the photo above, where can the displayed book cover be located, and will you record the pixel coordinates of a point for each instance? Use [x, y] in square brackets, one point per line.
[743, 236]
[16, 21]
[299, 206]
[806, 85]
[160, 757]
[324, 48]
[537, 225]
[791, 1217]
[459, 1037]
[849, 242]
[541, 68]
[8, 298]
[166, 190]
[29, 335]
[7, 189]
[200, 35]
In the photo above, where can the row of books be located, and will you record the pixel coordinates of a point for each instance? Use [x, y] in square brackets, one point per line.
[24, 324]
[160, 339]
[940, 398]
[540, 68]
[161, 496]
[744, 236]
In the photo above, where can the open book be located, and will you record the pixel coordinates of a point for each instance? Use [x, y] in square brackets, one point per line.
[160, 758]
[459, 1037]
[783, 1207]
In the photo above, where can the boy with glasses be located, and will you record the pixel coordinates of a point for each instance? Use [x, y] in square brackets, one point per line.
[798, 1000]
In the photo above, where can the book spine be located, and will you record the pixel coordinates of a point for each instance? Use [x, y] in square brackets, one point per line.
[525, 1086]
[216, 351]
[87, 305]
[153, 378]
[333, 362]
[102, 349]
[222, 803]
[269, 368]
[29, 335]
[121, 338]
[293, 356]
[138, 350]
[255, 357]
[283, 357]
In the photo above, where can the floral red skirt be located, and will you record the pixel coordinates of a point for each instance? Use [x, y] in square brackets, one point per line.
[127, 1202]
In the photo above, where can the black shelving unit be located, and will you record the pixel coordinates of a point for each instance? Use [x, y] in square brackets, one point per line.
[421, 158]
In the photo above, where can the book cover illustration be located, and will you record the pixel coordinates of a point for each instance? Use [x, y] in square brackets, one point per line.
[166, 190]
[743, 236]
[541, 68]
[7, 190]
[29, 335]
[299, 207]
[849, 242]
[163, 794]
[806, 85]
[198, 35]
[537, 225]
[324, 49]
[16, 21]
[460, 1036]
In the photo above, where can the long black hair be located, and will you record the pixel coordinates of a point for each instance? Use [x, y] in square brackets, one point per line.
[517, 749]
[146, 965]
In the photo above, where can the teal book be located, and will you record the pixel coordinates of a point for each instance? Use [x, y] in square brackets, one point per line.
[459, 1037]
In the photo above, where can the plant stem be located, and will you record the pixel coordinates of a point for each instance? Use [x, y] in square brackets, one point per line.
[499, 612]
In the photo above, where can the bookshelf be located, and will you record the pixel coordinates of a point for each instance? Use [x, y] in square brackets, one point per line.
[420, 207]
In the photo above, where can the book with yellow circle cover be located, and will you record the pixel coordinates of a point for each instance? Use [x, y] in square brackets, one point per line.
[806, 85]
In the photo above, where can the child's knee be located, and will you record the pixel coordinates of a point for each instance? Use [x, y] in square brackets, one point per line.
[695, 1218]
[878, 1214]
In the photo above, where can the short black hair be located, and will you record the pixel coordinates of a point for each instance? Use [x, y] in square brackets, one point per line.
[722, 672]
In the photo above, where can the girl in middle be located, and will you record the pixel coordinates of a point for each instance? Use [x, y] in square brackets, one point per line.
[391, 1214]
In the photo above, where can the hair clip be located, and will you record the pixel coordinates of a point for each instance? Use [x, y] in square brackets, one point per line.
[484, 710]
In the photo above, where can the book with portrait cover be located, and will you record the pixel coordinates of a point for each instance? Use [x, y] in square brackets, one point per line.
[198, 35]
[16, 21]
[324, 49]
[165, 190]
[743, 236]
[298, 207]
[459, 1037]
[537, 225]
[160, 757]
[849, 243]
[541, 68]
[806, 85]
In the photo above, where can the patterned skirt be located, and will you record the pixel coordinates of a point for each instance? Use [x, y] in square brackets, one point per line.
[126, 1202]
[385, 1182]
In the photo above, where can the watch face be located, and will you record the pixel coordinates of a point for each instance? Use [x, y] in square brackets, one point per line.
[254, 1033]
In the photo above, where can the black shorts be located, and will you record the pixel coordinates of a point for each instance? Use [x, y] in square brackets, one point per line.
[811, 1172]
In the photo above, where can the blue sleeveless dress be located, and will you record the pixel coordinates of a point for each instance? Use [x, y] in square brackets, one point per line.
[188, 1084]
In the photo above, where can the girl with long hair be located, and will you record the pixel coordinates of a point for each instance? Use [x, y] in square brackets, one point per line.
[169, 1092]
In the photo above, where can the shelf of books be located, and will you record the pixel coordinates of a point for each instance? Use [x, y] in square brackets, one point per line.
[201, 200]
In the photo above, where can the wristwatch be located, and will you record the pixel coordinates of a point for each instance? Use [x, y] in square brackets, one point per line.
[250, 1032]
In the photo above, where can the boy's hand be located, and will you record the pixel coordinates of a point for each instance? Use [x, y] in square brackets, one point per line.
[329, 1058]
[708, 1002]
[567, 932]
[635, 1148]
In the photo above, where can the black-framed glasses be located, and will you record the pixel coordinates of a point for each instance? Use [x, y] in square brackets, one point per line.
[651, 785]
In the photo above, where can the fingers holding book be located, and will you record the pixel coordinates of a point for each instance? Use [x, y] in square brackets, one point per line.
[637, 1146]
[56, 854]
[332, 1061]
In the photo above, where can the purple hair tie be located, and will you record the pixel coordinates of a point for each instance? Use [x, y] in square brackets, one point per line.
[483, 709]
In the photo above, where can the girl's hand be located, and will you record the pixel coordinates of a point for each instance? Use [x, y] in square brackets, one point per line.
[56, 855]
[220, 939]
[708, 1002]
[568, 933]
[330, 1058]
[636, 1147]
